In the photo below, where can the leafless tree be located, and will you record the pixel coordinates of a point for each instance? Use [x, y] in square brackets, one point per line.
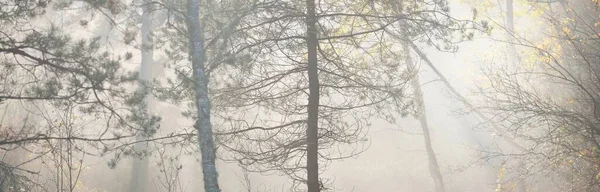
[550, 105]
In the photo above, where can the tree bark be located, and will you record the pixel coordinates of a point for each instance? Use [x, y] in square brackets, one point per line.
[312, 161]
[203, 125]
[434, 168]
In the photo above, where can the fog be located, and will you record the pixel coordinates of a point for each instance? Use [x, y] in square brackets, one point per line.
[99, 95]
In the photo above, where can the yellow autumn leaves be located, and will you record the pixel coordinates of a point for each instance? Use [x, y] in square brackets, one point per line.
[544, 52]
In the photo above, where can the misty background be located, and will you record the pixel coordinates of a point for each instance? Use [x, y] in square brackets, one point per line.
[118, 110]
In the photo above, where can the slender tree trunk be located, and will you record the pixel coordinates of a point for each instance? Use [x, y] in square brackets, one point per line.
[462, 98]
[434, 169]
[139, 172]
[512, 62]
[510, 27]
[203, 125]
[312, 140]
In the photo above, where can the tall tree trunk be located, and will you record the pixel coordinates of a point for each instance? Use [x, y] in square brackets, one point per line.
[139, 172]
[312, 140]
[510, 27]
[512, 62]
[463, 99]
[434, 168]
[203, 125]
